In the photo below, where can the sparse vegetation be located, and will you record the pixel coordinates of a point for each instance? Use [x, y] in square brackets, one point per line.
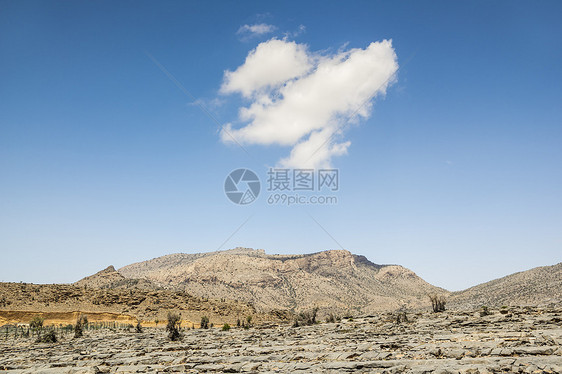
[81, 321]
[307, 318]
[173, 326]
[332, 318]
[246, 324]
[36, 323]
[485, 311]
[225, 327]
[437, 303]
[48, 337]
[401, 317]
[204, 322]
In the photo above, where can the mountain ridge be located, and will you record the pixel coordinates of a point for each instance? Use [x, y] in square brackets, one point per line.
[334, 279]
[538, 286]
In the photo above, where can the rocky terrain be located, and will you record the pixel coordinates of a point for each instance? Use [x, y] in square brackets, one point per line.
[60, 303]
[541, 286]
[514, 340]
[111, 278]
[392, 331]
[236, 283]
[336, 280]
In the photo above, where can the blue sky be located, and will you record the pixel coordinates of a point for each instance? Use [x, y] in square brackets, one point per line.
[454, 172]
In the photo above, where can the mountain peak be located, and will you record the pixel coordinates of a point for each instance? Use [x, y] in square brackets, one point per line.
[109, 269]
[102, 278]
[335, 279]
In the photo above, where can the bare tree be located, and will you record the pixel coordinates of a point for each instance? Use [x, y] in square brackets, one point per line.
[437, 303]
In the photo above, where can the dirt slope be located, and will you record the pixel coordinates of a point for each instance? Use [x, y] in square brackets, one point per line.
[332, 280]
[538, 286]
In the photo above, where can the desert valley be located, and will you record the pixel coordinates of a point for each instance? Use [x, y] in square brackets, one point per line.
[244, 310]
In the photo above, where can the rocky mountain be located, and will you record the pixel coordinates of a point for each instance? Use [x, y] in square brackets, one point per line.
[110, 278]
[539, 286]
[60, 303]
[333, 279]
[101, 279]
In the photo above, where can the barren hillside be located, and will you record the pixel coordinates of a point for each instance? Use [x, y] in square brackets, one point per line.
[61, 302]
[332, 280]
[110, 278]
[538, 286]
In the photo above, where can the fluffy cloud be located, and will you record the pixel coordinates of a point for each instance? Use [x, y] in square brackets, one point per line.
[302, 99]
[258, 29]
[267, 67]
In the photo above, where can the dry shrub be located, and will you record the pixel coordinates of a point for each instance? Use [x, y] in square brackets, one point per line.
[437, 303]
[307, 318]
[81, 321]
[48, 337]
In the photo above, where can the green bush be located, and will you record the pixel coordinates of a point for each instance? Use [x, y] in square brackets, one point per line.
[48, 337]
[173, 326]
[225, 327]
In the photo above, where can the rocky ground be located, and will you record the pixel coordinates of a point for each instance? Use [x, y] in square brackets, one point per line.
[60, 302]
[509, 340]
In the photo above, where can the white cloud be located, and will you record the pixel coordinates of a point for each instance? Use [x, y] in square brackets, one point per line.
[257, 29]
[315, 151]
[293, 34]
[302, 99]
[266, 67]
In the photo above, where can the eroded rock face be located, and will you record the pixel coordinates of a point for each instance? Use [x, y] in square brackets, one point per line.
[23, 301]
[336, 279]
[514, 340]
